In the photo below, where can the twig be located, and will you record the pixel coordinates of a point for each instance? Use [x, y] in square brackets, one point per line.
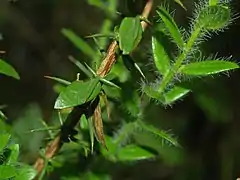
[66, 131]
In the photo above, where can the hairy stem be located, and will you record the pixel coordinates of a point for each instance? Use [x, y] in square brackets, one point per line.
[125, 131]
[169, 76]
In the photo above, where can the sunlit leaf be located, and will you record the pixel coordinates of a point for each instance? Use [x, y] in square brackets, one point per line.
[208, 67]
[83, 122]
[8, 70]
[4, 128]
[14, 153]
[26, 173]
[7, 171]
[174, 94]
[213, 2]
[78, 93]
[171, 26]
[4, 139]
[133, 153]
[79, 42]
[130, 34]
[161, 58]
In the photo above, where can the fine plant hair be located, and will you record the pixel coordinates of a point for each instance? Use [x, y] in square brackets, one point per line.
[84, 103]
[207, 20]
[172, 69]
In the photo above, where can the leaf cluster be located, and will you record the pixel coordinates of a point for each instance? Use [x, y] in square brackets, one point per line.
[115, 98]
[175, 68]
[10, 168]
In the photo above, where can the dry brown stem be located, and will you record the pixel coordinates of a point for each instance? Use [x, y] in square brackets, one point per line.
[54, 146]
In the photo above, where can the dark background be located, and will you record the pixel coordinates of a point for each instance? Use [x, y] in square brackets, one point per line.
[206, 122]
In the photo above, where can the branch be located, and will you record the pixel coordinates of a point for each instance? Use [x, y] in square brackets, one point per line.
[88, 108]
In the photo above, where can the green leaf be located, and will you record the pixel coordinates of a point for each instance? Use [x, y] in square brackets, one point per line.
[111, 92]
[161, 58]
[78, 93]
[213, 2]
[8, 70]
[130, 34]
[208, 67]
[133, 153]
[181, 4]
[4, 139]
[83, 122]
[7, 171]
[171, 26]
[26, 173]
[4, 128]
[174, 94]
[214, 17]
[152, 93]
[14, 153]
[58, 88]
[159, 133]
[112, 147]
[79, 42]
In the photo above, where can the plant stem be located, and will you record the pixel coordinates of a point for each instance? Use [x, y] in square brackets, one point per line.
[169, 76]
[105, 66]
[125, 131]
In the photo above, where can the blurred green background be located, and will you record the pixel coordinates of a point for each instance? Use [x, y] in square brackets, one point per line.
[206, 122]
